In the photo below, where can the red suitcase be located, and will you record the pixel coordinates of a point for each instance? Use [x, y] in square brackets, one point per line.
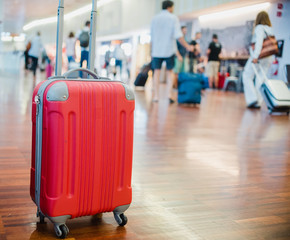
[82, 146]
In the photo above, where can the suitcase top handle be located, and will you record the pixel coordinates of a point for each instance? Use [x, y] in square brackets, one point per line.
[59, 37]
[93, 74]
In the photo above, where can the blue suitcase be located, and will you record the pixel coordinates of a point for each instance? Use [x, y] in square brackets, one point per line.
[189, 88]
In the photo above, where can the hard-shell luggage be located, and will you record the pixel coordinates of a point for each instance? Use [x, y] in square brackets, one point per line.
[82, 144]
[275, 92]
[189, 88]
[142, 77]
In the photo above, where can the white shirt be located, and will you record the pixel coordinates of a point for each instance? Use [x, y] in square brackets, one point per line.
[261, 32]
[165, 29]
[70, 46]
[119, 53]
[36, 47]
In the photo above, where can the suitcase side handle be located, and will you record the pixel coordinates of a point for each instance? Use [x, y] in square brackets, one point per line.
[93, 74]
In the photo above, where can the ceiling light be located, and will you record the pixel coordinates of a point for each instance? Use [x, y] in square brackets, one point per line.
[20, 38]
[234, 12]
[67, 16]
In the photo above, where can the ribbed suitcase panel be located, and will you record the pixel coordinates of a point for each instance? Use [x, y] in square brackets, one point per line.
[90, 174]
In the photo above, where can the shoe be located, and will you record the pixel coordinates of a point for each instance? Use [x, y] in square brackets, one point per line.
[171, 101]
[254, 105]
[155, 100]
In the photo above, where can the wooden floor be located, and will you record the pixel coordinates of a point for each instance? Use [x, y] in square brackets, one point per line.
[213, 172]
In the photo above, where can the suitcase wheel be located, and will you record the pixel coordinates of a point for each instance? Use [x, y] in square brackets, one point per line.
[41, 218]
[121, 219]
[61, 230]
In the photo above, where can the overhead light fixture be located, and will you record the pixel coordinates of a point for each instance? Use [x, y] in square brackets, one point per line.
[234, 12]
[75, 13]
[6, 37]
[20, 38]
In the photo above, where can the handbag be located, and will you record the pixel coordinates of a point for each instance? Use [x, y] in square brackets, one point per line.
[269, 47]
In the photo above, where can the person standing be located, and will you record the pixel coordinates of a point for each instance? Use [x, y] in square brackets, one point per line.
[34, 53]
[195, 55]
[263, 29]
[119, 56]
[180, 57]
[213, 53]
[70, 47]
[165, 30]
[84, 38]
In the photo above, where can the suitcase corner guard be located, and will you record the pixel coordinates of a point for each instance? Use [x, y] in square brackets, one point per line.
[58, 92]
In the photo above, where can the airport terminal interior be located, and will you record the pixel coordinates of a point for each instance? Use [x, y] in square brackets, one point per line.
[209, 169]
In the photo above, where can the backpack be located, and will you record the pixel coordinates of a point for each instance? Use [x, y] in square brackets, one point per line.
[84, 39]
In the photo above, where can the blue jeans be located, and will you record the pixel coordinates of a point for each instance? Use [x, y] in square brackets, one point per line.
[70, 59]
[84, 57]
[119, 63]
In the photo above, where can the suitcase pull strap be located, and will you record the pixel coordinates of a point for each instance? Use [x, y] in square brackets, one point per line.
[93, 74]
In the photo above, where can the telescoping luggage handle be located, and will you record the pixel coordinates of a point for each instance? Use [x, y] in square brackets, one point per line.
[59, 38]
[261, 70]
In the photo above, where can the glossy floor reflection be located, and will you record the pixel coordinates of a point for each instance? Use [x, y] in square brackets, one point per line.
[217, 171]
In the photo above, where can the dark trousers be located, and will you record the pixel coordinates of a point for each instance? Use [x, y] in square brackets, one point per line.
[34, 64]
[84, 57]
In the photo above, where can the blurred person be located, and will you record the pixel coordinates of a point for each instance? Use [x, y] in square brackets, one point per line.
[214, 53]
[34, 53]
[263, 29]
[195, 55]
[70, 47]
[119, 56]
[107, 60]
[84, 38]
[26, 56]
[180, 58]
[165, 29]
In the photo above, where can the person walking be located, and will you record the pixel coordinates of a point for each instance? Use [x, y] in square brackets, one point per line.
[84, 38]
[165, 30]
[263, 29]
[34, 53]
[180, 58]
[213, 53]
[195, 55]
[70, 47]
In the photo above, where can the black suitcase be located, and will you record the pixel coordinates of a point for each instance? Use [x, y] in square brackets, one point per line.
[141, 79]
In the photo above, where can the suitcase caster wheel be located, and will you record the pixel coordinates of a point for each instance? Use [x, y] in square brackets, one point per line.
[61, 231]
[121, 219]
[41, 218]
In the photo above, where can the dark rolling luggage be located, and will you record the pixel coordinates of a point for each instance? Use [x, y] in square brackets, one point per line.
[142, 77]
[189, 88]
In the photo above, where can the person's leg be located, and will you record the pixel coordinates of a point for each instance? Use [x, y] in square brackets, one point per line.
[210, 74]
[156, 77]
[169, 79]
[170, 75]
[177, 70]
[191, 65]
[216, 70]
[81, 62]
[248, 81]
[34, 67]
[156, 66]
[265, 63]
